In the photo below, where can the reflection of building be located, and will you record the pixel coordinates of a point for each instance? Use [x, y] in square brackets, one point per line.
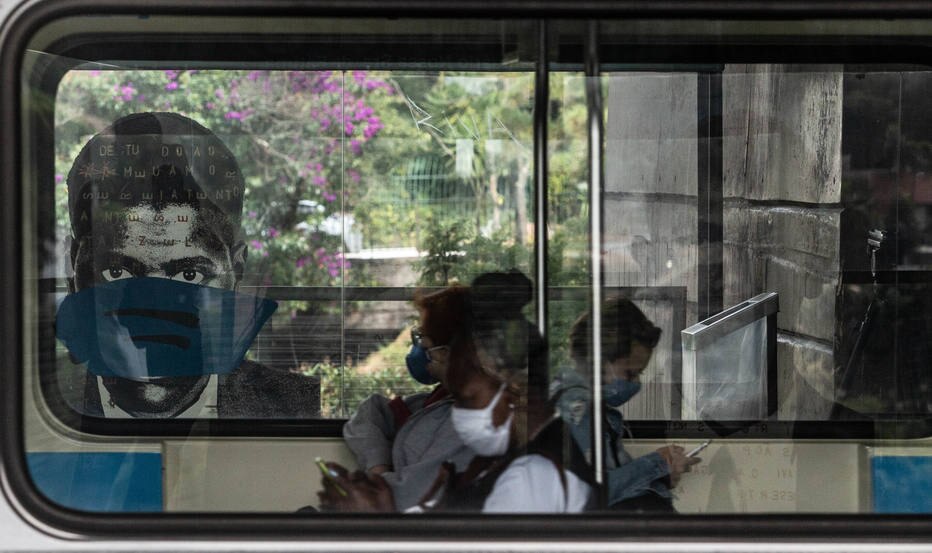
[793, 218]
[887, 187]
[779, 192]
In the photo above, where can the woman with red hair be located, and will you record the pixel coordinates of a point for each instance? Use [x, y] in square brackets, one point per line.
[405, 440]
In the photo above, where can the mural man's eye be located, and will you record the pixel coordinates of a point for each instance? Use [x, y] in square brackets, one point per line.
[189, 275]
[116, 273]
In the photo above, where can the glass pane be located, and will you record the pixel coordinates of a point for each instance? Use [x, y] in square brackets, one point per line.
[728, 377]
[818, 199]
[315, 223]
[331, 209]
[882, 332]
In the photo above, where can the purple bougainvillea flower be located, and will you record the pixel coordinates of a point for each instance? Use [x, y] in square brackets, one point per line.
[59, 177]
[233, 115]
[273, 232]
[371, 130]
[172, 85]
[127, 92]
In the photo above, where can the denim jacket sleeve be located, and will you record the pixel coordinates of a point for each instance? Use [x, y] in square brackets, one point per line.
[634, 478]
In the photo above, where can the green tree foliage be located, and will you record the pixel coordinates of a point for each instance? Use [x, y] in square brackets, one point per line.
[441, 161]
[301, 139]
[344, 387]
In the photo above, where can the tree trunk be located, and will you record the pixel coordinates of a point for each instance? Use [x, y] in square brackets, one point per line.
[524, 172]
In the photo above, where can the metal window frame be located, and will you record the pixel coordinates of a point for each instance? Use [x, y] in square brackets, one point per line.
[27, 17]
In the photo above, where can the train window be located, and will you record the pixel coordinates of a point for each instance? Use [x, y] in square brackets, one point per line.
[499, 266]
[385, 190]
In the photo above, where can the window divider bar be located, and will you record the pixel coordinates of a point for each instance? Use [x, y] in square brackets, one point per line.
[541, 113]
[594, 108]
[711, 183]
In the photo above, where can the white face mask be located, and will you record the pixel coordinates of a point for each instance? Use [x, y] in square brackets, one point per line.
[477, 431]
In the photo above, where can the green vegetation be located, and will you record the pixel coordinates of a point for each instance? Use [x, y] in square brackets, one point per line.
[341, 161]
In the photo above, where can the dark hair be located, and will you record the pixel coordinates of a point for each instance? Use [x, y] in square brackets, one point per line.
[444, 314]
[497, 322]
[501, 330]
[622, 324]
[155, 159]
[500, 294]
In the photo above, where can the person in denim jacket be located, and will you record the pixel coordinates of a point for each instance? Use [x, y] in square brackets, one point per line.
[628, 340]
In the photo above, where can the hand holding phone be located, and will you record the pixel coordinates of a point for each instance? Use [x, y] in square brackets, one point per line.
[701, 446]
[331, 475]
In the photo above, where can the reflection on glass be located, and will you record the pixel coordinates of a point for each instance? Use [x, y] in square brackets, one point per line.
[359, 186]
[155, 204]
[727, 379]
[346, 181]
[488, 431]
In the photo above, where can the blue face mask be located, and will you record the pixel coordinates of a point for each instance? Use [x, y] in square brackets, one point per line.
[417, 361]
[619, 391]
[140, 328]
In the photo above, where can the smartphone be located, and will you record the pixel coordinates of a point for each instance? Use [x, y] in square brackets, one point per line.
[701, 446]
[329, 474]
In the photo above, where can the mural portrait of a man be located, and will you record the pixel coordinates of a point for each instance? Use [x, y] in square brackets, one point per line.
[154, 314]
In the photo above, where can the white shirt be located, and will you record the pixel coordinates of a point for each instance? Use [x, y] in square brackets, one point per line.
[531, 484]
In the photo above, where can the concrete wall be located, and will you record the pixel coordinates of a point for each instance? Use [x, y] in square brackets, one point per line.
[782, 194]
[650, 207]
[781, 219]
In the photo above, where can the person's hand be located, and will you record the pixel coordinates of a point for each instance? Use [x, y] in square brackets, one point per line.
[676, 459]
[355, 492]
[379, 469]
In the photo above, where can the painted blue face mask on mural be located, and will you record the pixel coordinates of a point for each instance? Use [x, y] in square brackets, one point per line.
[618, 391]
[142, 328]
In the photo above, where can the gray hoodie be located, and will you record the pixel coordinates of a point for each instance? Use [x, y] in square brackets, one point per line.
[415, 450]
